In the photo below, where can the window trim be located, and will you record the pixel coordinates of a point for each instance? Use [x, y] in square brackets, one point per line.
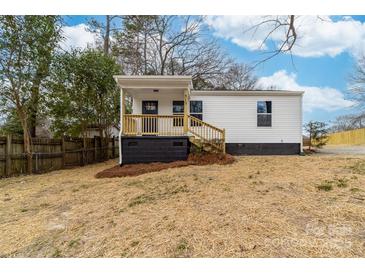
[196, 113]
[263, 113]
[201, 113]
[173, 103]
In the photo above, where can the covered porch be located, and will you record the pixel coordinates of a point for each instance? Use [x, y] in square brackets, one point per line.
[161, 107]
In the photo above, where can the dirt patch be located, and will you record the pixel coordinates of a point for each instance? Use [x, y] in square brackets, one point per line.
[199, 159]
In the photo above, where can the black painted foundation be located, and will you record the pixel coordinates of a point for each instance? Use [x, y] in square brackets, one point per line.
[147, 149]
[263, 148]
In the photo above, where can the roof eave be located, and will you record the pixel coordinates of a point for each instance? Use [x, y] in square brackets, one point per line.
[248, 92]
[153, 81]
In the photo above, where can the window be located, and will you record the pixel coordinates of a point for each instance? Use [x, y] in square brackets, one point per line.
[178, 109]
[264, 113]
[150, 106]
[196, 109]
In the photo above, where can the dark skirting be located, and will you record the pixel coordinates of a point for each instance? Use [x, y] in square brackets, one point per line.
[147, 149]
[263, 148]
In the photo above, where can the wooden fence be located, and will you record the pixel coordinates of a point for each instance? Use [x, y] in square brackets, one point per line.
[53, 154]
[350, 137]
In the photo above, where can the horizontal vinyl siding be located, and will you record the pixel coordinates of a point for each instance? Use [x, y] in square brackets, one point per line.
[238, 115]
[164, 101]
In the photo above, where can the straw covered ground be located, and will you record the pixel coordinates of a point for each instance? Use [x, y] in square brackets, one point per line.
[282, 206]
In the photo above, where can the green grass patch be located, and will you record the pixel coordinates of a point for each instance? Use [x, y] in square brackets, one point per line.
[182, 248]
[141, 199]
[358, 167]
[355, 189]
[342, 184]
[57, 253]
[134, 243]
[162, 194]
[44, 205]
[74, 243]
[179, 189]
[325, 187]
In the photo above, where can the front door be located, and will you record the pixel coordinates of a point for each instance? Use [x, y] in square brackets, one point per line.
[149, 124]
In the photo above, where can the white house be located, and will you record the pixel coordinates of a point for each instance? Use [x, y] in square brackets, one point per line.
[168, 115]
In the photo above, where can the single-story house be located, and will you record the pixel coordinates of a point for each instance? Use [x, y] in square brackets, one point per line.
[168, 116]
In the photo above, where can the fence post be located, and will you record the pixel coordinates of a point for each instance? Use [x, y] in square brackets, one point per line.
[113, 147]
[63, 149]
[83, 152]
[8, 155]
[101, 149]
[95, 149]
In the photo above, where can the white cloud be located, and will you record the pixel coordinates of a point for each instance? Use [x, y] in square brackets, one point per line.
[77, 37]
[325, 98]
[317, 36]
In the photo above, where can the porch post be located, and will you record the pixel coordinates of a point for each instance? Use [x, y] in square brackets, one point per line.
[186, 100]
[122, 109]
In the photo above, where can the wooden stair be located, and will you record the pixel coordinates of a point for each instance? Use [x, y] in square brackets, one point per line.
[206, 137]
[200, 145]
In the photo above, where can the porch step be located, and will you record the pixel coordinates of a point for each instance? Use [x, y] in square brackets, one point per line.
[202, 145]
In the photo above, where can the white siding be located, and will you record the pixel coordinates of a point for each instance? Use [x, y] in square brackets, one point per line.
[238, 115]
[164, 101]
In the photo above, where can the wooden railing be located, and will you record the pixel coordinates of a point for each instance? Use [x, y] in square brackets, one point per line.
[207, 132]
[173, 125]
[147, 124]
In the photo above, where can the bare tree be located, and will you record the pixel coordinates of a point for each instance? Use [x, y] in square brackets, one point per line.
[285, 25]
[348, 122]
[237, 77]
[357, 83]
[172, 45]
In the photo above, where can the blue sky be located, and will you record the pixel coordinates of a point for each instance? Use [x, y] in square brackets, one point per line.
[324, 57]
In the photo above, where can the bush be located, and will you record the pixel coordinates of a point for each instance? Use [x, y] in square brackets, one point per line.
[318, 133]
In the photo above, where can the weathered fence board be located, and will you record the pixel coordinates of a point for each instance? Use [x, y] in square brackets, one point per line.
[350, 137]
[53, 154]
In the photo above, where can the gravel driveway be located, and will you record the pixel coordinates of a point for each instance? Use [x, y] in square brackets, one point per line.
[359, 150]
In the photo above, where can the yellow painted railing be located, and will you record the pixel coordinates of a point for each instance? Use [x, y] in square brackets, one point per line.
[350, 137]
[147, 124]
[173, 125]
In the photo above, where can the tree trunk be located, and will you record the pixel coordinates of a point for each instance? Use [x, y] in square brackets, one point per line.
[107, 36]
[310, 141]
[34, 109]
[145, 52]
[27, 143]
[27, 140]
[28, 151]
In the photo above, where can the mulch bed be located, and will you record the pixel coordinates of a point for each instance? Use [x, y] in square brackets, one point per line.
[199, 159]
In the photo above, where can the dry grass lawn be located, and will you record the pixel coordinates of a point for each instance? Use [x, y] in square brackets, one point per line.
[283, 206]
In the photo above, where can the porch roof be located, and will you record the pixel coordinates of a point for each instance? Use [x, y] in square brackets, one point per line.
[153, 82]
